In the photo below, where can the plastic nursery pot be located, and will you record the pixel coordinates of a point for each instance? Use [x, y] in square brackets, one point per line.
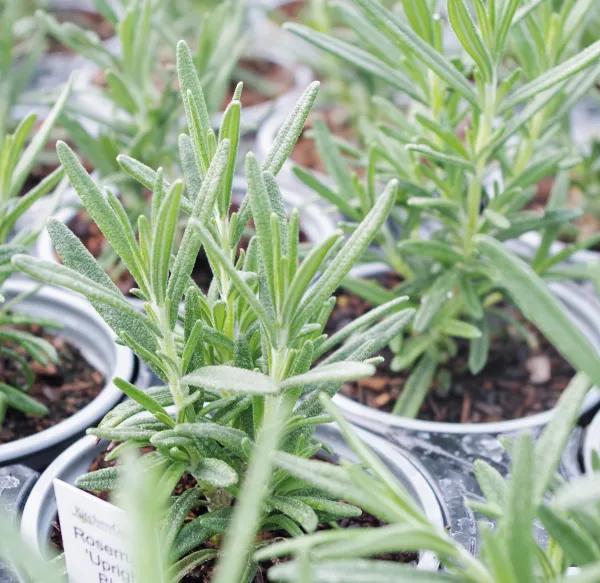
[40, 509]
[591, 443]
[584, 310]
[83, 328]
[313, 222]
[448, 450]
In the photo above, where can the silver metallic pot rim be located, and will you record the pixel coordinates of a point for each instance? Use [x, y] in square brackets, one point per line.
[585, 310]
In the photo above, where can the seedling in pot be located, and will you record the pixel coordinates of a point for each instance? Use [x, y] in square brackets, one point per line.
[133, 108]
[467, 122]
[509, 552]
[237, 360]
[16, 163]
[136, 85]
[136, 109]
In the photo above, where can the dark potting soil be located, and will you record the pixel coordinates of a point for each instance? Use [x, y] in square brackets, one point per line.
[279, 79]
[89, 21]
[204, 573]
[516, 381]
[65, 388]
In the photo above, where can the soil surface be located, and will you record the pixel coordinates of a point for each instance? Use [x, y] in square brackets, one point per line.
[204, 573]
[65, 388]
[516, 382]
[305, 151]
[89, 21]
[279, 79]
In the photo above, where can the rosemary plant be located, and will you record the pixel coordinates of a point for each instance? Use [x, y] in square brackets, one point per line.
[238, 359]
[142, 109]
[509, 553]
[138, 102]
[468, 150]
[220, 37]
[16, 162]
[138, 112]
[570, 513]
[20, 51]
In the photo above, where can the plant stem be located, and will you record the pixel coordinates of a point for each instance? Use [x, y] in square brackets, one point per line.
[241, 532]
[480, 160]
[168, 345]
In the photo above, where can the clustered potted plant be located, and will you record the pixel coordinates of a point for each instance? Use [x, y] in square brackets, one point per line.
[369, 340]
[58, 358]
[469, 156]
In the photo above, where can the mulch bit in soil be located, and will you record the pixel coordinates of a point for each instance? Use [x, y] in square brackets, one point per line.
[65, 388]
[515, 383]
[204, 573]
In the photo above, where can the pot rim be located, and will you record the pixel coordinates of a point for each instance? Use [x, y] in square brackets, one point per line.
[587, 316]
[109, 396]
[41, 502]
[591, 443]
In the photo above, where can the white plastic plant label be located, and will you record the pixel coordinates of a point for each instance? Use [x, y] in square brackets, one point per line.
[94, 537]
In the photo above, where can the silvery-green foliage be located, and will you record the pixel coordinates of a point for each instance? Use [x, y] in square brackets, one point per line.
[221, 36]
[138, 110]
[16, 162]
[468, 148]
[135, 112]
[509, 553]
[236, 360]
[20, 50]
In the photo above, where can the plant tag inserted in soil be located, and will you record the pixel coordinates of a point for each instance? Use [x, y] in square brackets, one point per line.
[93, 537]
